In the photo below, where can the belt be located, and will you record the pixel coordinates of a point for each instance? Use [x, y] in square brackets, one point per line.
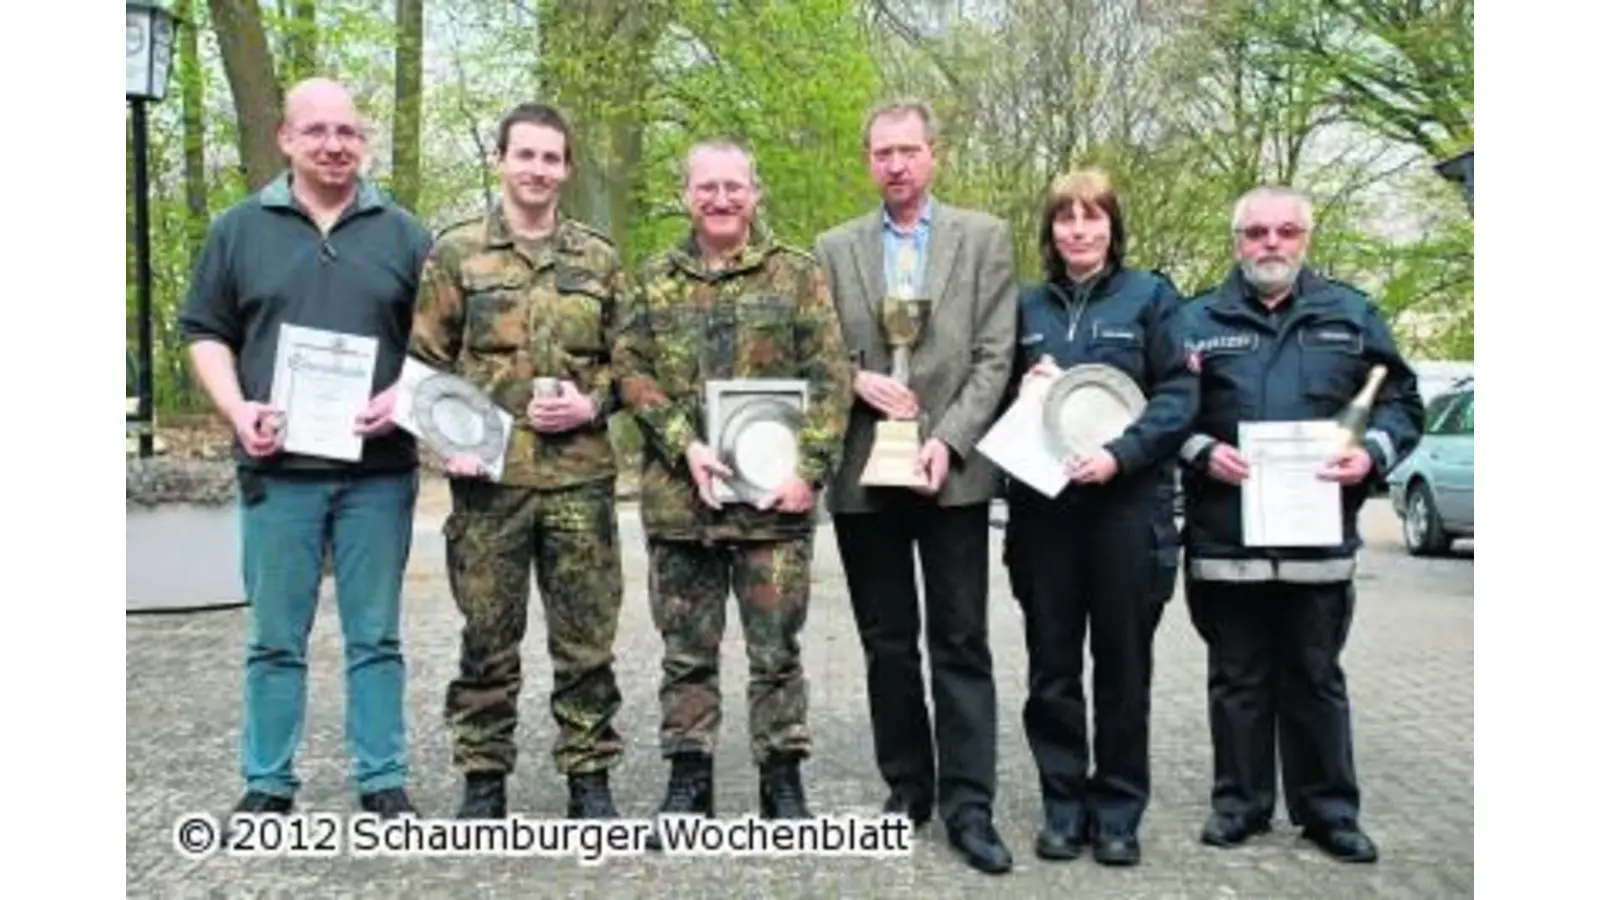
[1302, 571]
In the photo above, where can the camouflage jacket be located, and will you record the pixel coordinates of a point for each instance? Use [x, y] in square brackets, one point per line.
[498, 314]
[767, 315]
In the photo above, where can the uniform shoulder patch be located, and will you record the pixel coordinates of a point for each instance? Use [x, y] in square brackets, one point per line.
[469, 228]
[793, 250]
[591, 231]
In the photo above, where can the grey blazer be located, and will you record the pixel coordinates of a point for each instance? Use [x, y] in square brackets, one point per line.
[959, 370]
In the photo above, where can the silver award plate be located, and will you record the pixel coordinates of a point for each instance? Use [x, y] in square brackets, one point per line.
[761, 445]
[455, 416]
[755, 431]
[1089, 406]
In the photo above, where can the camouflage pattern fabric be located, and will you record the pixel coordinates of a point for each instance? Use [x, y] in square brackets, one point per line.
[689, 586]
[767, 315]
[499, 312]
[494, 534]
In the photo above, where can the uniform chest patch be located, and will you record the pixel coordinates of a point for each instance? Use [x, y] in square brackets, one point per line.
[1332, 337]
[1219, 345]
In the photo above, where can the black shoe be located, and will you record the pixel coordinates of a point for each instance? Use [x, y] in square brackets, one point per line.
[256, 803]
[974, 836]
[689, 792]
[388, 803]
[903, 802]
[589, 797]
[1344, 842]
[1231, 829]
[782, 795]
[1116, 848]
[1063, 837]
[483, 796]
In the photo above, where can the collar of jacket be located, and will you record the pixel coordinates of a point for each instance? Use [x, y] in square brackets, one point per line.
[279, 194]
[686, 256]
[565, 238]
[1067, 290]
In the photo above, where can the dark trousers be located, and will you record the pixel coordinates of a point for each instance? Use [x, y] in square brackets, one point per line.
[1276, 689]
[1094, 567]
[952, 545]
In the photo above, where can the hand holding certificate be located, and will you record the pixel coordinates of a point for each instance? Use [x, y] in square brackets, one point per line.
[322, 380]
[1285, 502]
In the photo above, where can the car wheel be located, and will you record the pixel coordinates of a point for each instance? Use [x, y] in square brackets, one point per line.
[1424, 533]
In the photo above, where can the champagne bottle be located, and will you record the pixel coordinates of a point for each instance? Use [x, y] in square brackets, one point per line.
[1352, 420]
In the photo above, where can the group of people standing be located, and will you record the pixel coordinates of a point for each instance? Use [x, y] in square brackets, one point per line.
[524, 292]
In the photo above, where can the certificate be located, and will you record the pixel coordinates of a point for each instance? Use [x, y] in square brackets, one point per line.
[322, 380]
[1019, 444]
[1285, 504]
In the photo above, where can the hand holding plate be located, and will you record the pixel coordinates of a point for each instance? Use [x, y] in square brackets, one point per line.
[703, 467]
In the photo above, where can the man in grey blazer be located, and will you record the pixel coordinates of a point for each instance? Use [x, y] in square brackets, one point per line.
[962, 261]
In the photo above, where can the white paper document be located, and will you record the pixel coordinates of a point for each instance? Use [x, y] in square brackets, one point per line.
[1285, 504]
[322, 380]
[459, 418]
[1018, 443]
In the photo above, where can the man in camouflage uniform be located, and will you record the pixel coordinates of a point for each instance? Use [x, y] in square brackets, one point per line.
[516, 294]
[729, 303]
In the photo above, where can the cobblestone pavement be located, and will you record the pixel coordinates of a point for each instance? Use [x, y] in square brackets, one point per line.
[1409, 664]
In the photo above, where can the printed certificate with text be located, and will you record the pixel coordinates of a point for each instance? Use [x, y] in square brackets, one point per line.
[1284, 503]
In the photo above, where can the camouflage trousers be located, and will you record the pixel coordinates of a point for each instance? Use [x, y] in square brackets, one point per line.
[495, 534]
[689, 586]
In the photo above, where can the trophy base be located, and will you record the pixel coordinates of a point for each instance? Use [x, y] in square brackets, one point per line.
[893, 461]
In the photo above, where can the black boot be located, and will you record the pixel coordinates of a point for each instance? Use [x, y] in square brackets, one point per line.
[483, 797]
[782, 795]
[689, 792]
[589, 797]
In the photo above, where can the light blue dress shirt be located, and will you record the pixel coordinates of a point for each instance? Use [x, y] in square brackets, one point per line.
[894, 238]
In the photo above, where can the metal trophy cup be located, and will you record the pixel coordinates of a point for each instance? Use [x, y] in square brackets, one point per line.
[548, 363]
[896, 443]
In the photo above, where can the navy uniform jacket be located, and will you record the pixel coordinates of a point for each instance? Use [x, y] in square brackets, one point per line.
[1307, 361]
[1126, 319]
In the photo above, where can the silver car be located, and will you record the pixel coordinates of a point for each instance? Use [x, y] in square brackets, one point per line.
[1432, 488]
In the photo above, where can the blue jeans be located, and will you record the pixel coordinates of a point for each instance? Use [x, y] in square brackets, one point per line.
[367, 519]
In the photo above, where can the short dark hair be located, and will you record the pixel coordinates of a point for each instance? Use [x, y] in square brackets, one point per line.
[1091, 187]
[534, 114]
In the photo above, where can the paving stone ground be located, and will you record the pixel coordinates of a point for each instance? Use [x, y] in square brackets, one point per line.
[1409, 663]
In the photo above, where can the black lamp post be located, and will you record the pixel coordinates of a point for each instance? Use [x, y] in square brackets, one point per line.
[150, 39]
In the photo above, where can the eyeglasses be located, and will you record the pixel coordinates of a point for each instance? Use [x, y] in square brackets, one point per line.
[319, 133]
[708, 190]
[1285, 232]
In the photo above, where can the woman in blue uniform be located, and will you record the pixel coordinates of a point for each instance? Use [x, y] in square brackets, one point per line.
[1099, 558]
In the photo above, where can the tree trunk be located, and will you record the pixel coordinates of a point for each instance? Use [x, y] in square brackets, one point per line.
[407, 179]
[594, 63]
[257, 96]
[300, 42]
[191, 84]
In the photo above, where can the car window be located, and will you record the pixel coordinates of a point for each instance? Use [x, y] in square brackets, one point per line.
[1458, 421]
[1438, 409]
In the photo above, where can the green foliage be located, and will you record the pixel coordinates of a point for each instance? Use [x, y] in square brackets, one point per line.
[792, 80]
[1186, 105]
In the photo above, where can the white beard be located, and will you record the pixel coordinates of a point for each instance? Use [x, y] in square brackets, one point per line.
[1267, 277]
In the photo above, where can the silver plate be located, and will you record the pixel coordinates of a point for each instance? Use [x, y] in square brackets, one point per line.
[760, 443]
[1089, 406]
[456, 416]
